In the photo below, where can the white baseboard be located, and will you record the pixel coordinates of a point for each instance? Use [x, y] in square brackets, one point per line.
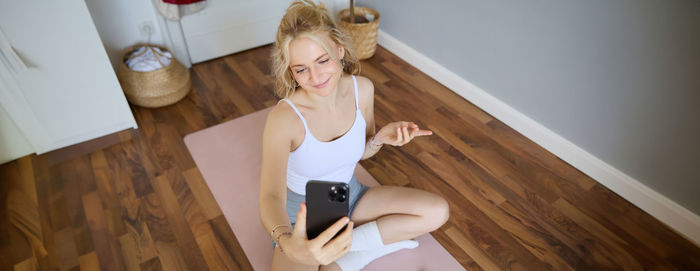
[662, 208]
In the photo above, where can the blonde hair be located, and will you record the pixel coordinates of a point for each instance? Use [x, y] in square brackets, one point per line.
[306, 19]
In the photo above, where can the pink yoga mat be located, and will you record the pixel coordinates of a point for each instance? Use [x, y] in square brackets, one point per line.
[229, 154]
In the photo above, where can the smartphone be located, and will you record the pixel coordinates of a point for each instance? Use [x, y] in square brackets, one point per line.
[326, 203]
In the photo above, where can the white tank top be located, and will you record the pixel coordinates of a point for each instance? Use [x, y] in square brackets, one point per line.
[326, 161]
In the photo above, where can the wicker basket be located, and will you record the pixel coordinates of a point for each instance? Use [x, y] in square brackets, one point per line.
[364, 35]
[156, 88]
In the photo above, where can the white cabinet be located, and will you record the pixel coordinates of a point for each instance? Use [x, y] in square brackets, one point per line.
[56, 82]
[225, 27]
[12, 143]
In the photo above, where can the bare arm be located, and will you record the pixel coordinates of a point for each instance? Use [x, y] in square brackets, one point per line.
[275, 152]
[367, 94]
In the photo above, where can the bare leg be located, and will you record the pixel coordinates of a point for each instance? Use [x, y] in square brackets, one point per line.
[401, 213]
[280, 262]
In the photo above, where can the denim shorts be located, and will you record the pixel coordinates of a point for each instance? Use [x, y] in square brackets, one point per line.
[357, 190]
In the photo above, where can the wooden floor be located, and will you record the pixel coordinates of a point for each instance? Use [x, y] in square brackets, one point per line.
[142, 204]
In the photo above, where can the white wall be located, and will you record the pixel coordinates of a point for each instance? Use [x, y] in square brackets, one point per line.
[118, 24]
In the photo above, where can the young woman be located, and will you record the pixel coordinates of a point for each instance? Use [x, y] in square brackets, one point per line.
[319, 131]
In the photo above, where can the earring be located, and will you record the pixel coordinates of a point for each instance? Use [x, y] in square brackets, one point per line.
[342, 62]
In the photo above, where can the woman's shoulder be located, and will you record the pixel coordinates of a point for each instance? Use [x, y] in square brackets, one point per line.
[363, 83]
[282, 113]
[284, 119]
[365, 89]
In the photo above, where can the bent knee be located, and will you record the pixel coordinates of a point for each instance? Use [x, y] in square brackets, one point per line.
[437, 213]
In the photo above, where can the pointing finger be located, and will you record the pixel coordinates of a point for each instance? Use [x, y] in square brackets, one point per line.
[424, 132]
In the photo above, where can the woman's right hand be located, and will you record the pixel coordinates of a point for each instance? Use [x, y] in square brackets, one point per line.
[321, 250]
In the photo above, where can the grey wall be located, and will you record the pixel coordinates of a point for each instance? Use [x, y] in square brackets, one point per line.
[620, 79]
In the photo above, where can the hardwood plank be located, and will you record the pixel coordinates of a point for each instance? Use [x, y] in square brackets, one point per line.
[50, 261]
[217, 89]
[83, 239]
[462, 175]
[89, 262]
[202, 193]
[107, 250]
[15, 249]
[452, 245]
[26, 265]
[369, 70]
[106, 190]
[599, 231]
[174, 213]
[151, 265]
[59, 216]
[26, 178]
[194, 117]
[130, 250]
[238, 68]
[172, 258]
[20, 248]
[531, 206]
[224, 233]
[531, 237]
[170, 152]
[497, 242]
[162, 234]
[215, 254]
[635, 222]
[204, 104]
[470, 248]
[66, 251]
[78, 174]
[93, 211]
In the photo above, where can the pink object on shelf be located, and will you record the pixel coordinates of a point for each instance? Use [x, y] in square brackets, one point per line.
[175, 9]
[228, 155]
[182, 2]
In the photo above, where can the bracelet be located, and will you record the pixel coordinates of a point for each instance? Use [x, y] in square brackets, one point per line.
[277, 240]
[277, 227]
[371, 142]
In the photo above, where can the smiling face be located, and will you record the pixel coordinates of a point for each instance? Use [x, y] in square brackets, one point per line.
[316, 69]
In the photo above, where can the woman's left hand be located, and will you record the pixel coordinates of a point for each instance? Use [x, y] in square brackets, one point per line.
[399, 133]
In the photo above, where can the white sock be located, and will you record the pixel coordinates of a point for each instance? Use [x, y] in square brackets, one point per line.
[366, 236]
[356, 260]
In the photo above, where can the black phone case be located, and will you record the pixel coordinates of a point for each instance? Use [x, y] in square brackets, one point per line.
[322, 210]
